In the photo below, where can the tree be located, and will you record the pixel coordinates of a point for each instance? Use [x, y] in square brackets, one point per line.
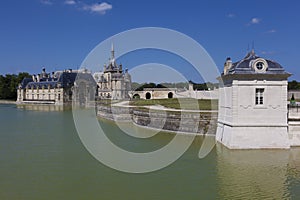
[9, 84]
[293, 85]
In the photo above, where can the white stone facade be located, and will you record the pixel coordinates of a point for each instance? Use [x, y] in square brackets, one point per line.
[253, 106]
[167, 93]
[46, 95]
[243, 124]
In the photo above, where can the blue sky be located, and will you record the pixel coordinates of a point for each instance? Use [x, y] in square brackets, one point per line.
[59, 34]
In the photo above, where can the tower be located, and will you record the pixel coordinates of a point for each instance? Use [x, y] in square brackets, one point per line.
[113, 82]
[253, 104]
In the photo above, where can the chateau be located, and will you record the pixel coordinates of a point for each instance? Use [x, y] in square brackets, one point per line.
[56, 88]
[79, 86]
[113, 82]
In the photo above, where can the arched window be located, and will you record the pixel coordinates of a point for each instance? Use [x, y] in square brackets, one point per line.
[170, 95]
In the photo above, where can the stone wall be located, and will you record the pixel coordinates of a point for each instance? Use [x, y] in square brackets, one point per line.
[200, 123]
[115, 113]
[294, 133]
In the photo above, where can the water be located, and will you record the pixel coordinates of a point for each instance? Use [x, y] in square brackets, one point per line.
[41, 157]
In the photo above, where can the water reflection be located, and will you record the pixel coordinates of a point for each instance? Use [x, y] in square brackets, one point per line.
[254, 173]
[44, 108]
[294, 163]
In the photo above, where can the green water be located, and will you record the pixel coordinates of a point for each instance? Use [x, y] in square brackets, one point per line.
[41, 157]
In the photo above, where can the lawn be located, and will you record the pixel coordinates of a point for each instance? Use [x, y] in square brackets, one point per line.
[182, 103]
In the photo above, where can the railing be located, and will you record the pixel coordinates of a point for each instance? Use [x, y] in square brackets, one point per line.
[294, 107]
[294, 112]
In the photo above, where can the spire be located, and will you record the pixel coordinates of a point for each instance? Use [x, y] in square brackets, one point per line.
[250, 53]
[112, 51]
[252, 50]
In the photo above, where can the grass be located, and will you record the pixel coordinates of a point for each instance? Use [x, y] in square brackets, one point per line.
[184, 103]
[106, 102]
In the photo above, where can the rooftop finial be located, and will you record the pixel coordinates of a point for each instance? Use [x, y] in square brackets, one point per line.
[252, 52]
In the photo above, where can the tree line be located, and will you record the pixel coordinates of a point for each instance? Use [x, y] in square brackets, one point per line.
[9, 84]
[294, 85]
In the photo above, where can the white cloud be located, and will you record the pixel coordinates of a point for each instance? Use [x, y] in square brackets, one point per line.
[271, 31]
[255, 20]
[268, 52]
[100, 8]
[230, 15]
[46, 2]
[70, 2]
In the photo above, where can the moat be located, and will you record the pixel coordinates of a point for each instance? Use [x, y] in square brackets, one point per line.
[42, 157]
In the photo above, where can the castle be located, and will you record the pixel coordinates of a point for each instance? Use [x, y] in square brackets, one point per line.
[79, 86]
[113, 82]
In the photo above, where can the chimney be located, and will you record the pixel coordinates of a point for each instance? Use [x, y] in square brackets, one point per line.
[191, 86]
[227, 65]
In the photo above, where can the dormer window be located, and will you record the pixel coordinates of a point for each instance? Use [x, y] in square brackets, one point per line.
[260, 65]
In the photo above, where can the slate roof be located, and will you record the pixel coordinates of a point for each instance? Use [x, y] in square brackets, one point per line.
[244, 66]
[65, 80]
[41, 84]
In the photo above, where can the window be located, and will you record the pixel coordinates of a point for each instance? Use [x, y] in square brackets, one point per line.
[259, 65]
[259, 96]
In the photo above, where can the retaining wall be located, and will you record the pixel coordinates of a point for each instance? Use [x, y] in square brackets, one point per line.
[185, 122]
